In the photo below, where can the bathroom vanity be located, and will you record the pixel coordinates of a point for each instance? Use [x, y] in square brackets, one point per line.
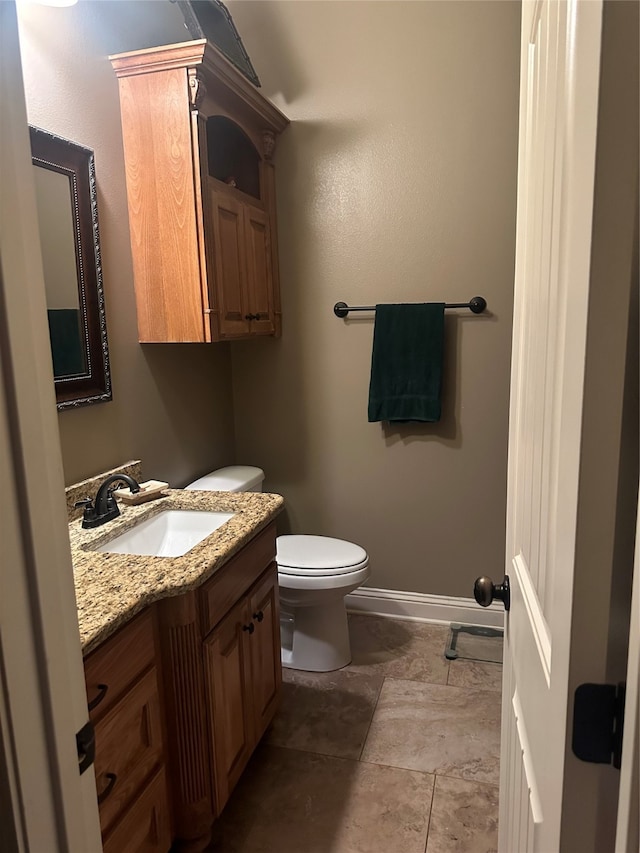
[182, 665]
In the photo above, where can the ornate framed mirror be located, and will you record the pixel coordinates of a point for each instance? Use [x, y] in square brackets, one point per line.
[68, 220]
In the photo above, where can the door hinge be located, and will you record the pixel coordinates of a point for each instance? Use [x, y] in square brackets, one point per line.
[86, 745]
[598, 722]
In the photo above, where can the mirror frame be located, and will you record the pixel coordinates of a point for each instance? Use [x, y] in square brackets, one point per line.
[76, 162]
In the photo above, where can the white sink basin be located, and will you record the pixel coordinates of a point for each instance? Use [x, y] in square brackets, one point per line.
[169, 534]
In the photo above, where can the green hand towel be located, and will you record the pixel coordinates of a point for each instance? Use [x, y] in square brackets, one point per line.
[406, 363]
[67, 347]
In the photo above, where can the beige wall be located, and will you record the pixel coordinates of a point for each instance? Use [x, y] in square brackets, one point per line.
[396, 182]
[172, 405]
[57, 240]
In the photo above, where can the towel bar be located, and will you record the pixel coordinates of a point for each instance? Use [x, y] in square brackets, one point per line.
[477, 305]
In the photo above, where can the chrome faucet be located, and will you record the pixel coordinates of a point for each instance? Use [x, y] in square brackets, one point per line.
[105, 508]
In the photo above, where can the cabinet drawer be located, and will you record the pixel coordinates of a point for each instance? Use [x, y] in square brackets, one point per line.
[128, 748]
[144, 828]
[118, 663]
[229, 584]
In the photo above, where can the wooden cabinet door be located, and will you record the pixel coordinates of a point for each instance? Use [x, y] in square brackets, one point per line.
[230, 264]
[259, 282]
[241, 253]
[161, 192]
[228, 675]
[266, 669]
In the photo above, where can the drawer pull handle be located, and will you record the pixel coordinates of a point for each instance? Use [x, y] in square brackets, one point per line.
[110, 786]
[259, 616]
[250, 627]
[256, 316]
[102, 692]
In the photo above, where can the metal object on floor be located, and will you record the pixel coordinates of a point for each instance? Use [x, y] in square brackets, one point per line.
[474, 642]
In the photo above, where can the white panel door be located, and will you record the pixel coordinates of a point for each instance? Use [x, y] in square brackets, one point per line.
[560, 62]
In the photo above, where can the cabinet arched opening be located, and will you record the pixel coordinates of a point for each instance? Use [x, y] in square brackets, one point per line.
[233, 159]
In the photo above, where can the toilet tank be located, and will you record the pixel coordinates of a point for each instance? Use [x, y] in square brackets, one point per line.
[234, 478]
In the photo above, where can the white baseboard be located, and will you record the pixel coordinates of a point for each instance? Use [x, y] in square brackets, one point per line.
[419, 607]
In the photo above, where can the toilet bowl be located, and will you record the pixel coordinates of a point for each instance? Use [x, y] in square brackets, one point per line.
[315, 573]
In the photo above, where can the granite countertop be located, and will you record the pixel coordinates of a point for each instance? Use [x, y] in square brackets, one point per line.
[111, 588]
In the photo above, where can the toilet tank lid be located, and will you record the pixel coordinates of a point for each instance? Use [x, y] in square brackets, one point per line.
[233, 478]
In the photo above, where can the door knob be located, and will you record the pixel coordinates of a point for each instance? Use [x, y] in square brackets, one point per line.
[485, 590]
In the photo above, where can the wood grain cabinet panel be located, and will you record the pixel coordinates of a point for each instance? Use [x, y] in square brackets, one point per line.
[259, 282]
[128, 748]
[186, 713]
[244, 676]
[230, 257]
[266, 667]
[229, 585]
[228, 674]
[199, 140]
[156, 131]
[125, 708]
[145, 827]
[113, 667]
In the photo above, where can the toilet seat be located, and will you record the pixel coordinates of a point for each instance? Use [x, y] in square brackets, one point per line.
[318, 556]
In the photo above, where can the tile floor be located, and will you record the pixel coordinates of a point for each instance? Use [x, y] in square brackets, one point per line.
[396, 753]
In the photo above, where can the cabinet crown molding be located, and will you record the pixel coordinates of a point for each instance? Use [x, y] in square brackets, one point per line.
[200, 53]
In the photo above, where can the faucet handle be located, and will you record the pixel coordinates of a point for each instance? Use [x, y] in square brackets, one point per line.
[89, 510]
[85, 502]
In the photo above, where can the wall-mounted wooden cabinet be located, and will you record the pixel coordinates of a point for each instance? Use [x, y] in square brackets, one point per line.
[198, 143]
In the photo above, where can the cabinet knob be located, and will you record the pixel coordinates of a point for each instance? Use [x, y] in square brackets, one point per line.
[249, 317]
[256, 316]
[250, 627]
[259, 616]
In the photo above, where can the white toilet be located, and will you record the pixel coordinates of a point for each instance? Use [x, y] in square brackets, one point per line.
[315, 573]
